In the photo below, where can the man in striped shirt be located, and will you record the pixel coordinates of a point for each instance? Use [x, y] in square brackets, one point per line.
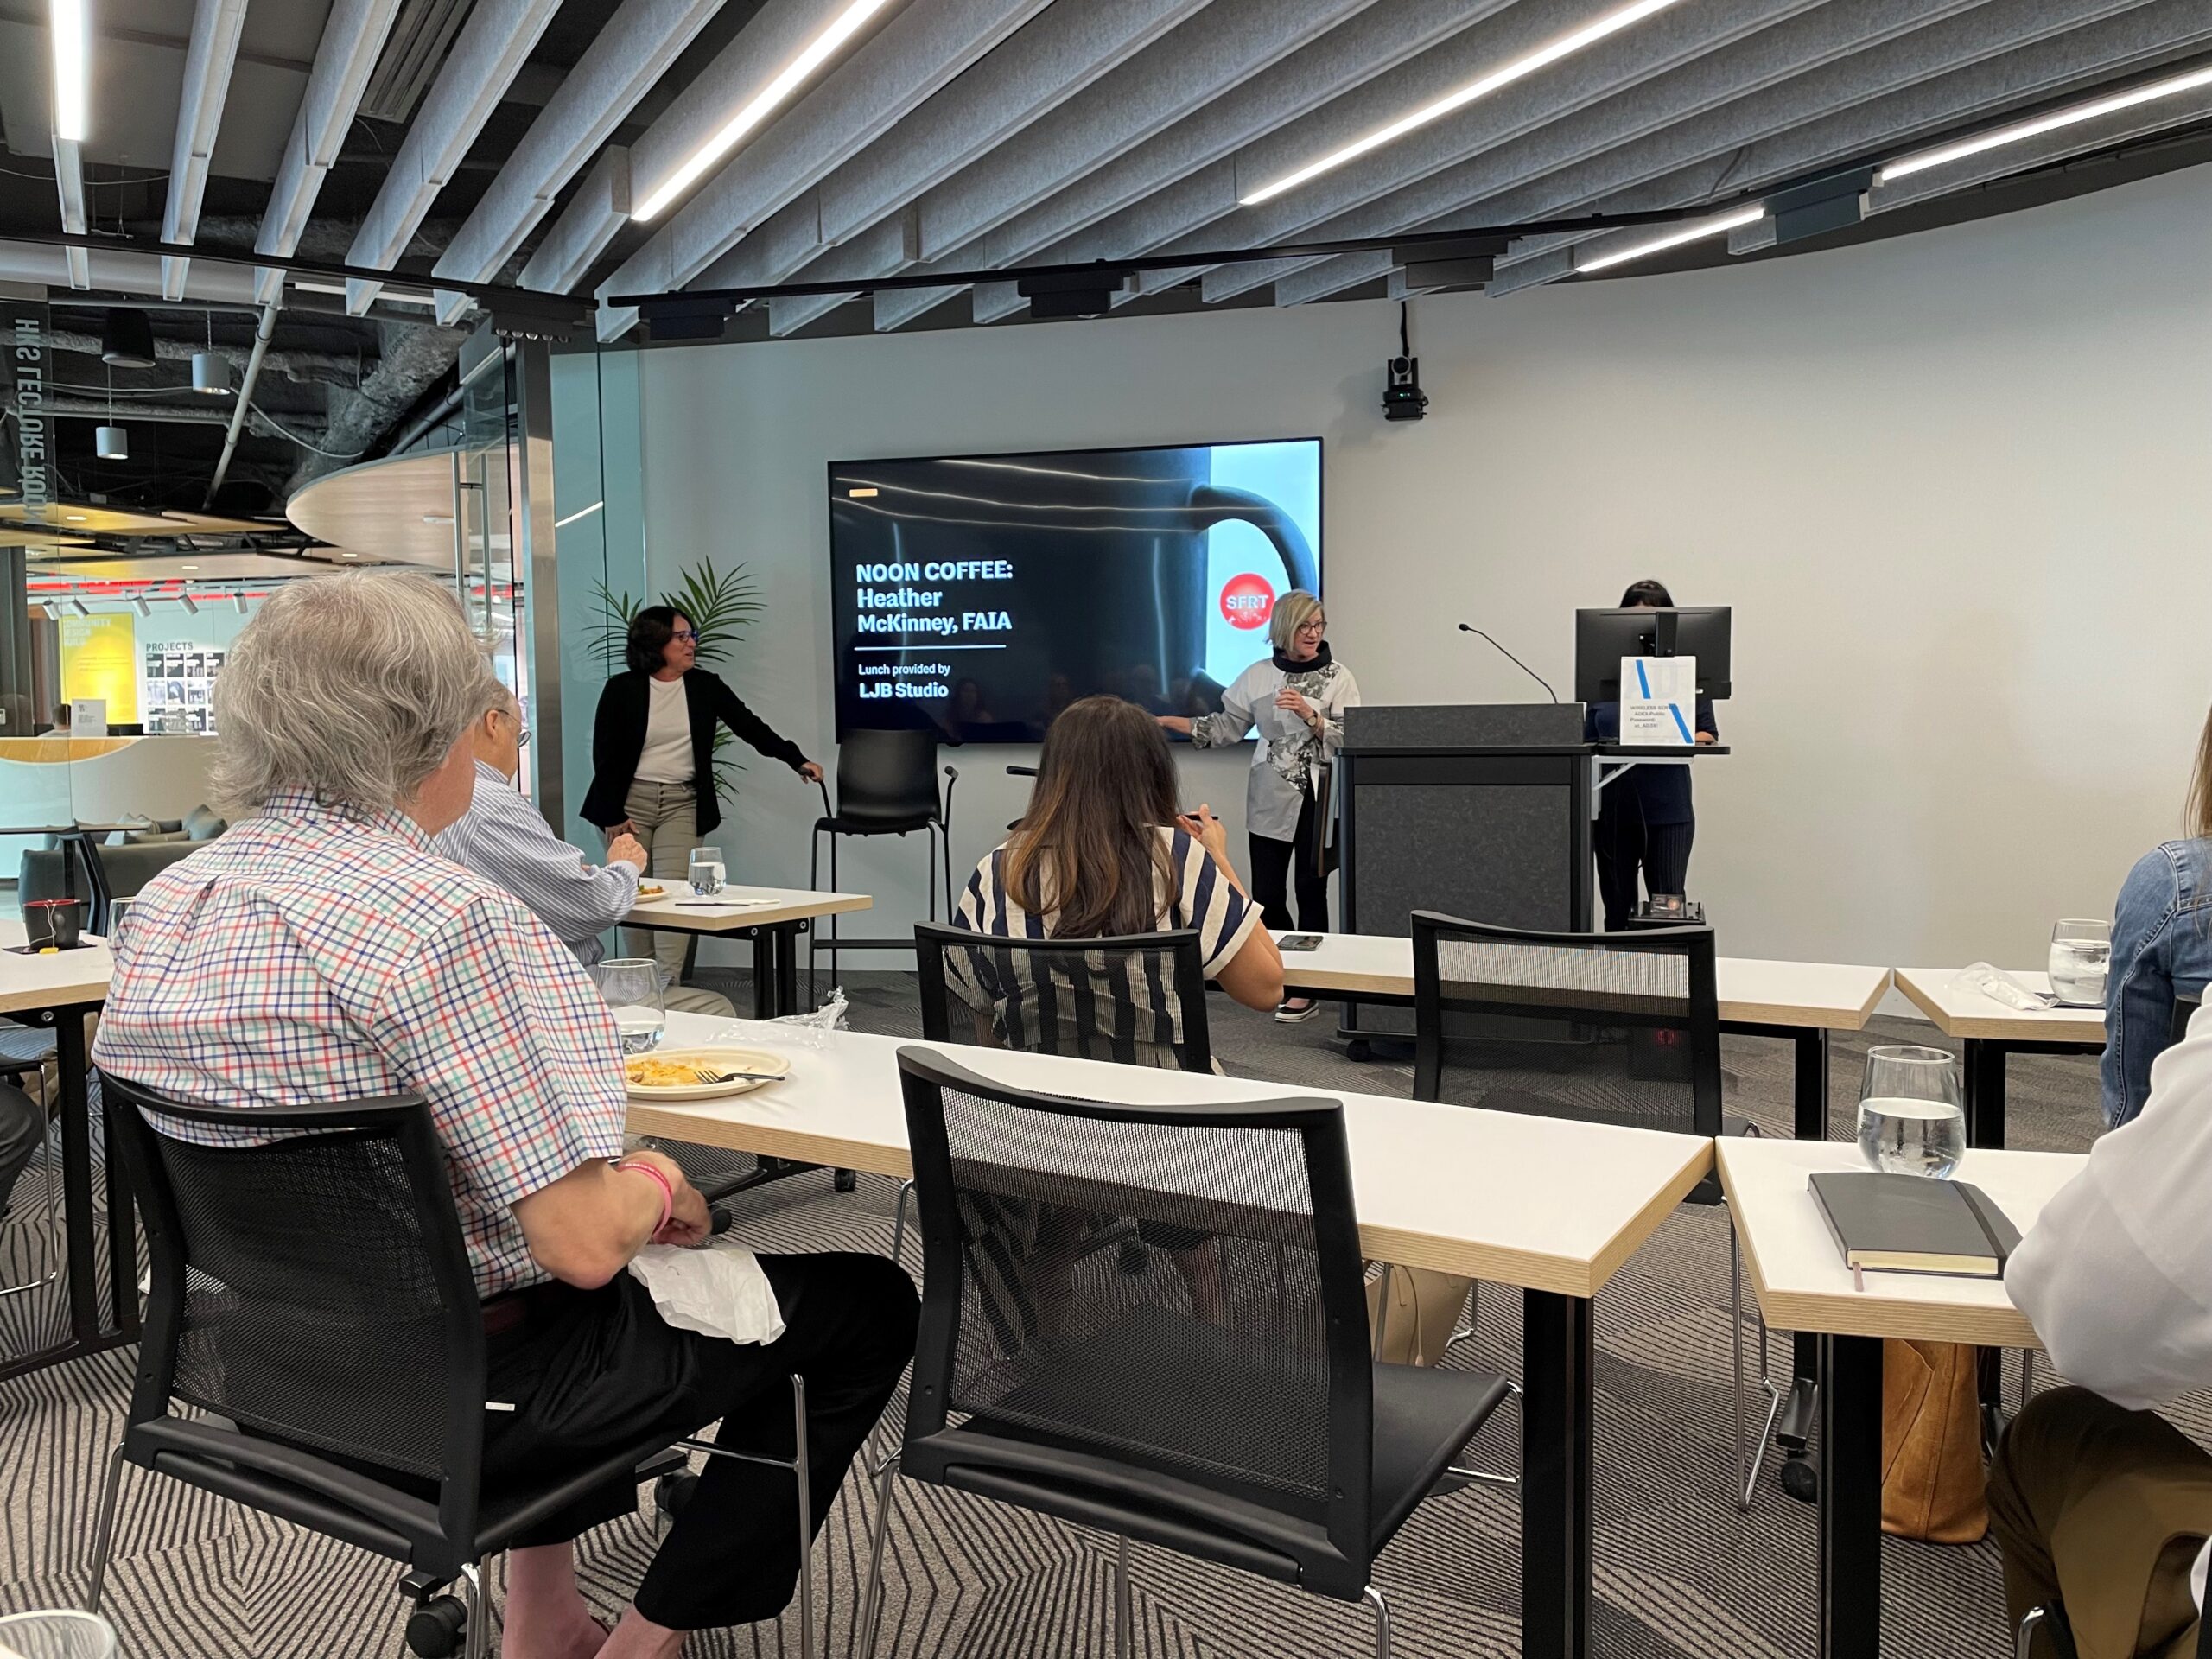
[505, 840]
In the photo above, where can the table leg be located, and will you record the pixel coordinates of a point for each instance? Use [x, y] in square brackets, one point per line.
[1985, 1081]
[764, 974]
[122, 1230]
[786, 949]
[1794, 1426]
[1556, 1412]
[77, 1173]
[1851, 1497]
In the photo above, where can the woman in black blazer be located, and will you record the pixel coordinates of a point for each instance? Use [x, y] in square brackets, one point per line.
[651, 748]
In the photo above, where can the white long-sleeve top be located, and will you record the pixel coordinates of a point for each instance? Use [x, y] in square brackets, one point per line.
[2116, 1274]
[1286, 765]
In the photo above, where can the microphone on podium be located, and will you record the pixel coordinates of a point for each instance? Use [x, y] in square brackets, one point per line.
[1469, 628]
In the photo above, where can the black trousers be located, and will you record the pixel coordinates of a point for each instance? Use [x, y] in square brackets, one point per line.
[23, 1126]
[1624, 842]
[589, 1370]
[1278, 865]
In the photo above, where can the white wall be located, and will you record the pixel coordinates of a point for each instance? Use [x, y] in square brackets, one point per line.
[1955, 485]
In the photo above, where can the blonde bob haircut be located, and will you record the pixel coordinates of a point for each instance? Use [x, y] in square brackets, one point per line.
[1292, 612]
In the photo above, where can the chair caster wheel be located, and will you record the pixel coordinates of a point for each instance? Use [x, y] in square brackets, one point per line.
[845, 1181]
[1358, 1050]
[434, 1629]
[1801, 1480]
[672, 1492]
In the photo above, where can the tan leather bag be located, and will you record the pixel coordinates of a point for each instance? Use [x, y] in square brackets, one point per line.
[1932, 1480]
[1424, 1308]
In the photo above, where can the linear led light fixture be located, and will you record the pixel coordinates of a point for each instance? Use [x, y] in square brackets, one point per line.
[396, 296]
[70, 31]
[760, 107]
[1566, 46]
[1697, 231]
[1943, 155]
[581, 513]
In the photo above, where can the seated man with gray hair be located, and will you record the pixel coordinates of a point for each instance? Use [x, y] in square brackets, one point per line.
[507, 841]
[323, 951]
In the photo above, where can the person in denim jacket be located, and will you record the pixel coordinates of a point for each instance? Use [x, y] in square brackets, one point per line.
[2161, 948]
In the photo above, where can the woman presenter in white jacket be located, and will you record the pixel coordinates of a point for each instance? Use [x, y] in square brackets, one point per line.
[1297, 698]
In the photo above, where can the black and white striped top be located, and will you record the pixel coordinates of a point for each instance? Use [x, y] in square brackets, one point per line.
[1134, 1011]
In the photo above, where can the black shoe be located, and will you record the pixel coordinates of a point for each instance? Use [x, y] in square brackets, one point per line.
[1289, 1013]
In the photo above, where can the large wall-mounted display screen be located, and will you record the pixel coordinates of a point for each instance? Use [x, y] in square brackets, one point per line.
[980, 594]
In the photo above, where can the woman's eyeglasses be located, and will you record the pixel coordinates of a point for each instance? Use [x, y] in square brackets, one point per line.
[687, 635]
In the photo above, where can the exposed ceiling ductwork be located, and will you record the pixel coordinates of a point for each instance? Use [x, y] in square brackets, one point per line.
[605, 147]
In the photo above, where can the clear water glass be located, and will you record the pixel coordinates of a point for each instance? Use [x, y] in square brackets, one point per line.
[706, 871]
[1912, 1118]
[632, 990]
[57, 1636]
[2081, 960]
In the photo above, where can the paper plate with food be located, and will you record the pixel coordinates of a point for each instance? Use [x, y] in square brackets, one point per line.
[702, 1073]
[651, 890]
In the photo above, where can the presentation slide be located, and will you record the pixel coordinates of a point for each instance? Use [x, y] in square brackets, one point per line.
[982, 595]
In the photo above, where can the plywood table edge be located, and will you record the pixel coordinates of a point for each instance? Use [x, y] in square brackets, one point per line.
[1848, 1314]
[85, 994]
[1639, 1227]
[730, 921]
[1995, 1027]
[1754, 1013]
[1344, 982]
[768, 1141]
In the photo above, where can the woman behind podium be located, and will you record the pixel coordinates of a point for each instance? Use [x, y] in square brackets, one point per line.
[1644, 816]
[1297, 698]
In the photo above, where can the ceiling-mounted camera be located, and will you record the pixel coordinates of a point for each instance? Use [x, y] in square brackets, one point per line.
[1402, 397]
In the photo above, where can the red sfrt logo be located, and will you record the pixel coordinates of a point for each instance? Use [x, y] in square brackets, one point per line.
[1247, 601]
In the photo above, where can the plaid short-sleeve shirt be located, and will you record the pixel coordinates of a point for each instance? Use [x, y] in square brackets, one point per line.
[316, 954]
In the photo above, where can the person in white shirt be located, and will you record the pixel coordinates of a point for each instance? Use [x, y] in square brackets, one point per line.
[652, 744]
[1297, 699]
[2098, 1504]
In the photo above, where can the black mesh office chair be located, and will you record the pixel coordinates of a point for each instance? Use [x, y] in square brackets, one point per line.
[1268, 1440]
[1138, 999]
[1617, 1028]
[314, 1292]
[887, 785]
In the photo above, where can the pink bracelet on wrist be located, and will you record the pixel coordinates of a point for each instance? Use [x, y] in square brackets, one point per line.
[667, 1191]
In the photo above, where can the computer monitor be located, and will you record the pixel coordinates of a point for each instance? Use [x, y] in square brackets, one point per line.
[1603, 637]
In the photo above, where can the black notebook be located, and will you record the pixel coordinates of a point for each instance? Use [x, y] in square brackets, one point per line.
[1912, 1223]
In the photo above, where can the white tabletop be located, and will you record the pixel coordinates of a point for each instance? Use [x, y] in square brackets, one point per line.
[66, 978]
[737, 907]
[1536, 1202]
[1959, 1010]
[1797, 1270]
[1835, 996]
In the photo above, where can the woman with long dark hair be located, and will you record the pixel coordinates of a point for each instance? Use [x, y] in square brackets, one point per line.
[653, 745]
[1645, 820]
[2161, 946]
[1104, 851]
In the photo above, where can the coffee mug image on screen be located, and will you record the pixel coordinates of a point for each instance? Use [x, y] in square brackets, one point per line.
[981, 594]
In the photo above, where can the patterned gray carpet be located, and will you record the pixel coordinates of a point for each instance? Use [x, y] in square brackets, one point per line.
[1679, 1571]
